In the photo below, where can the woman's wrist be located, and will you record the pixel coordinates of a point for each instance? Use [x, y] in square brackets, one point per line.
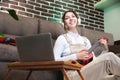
[106, 48]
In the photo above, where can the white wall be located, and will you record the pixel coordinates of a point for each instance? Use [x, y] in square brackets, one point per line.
[112, 20]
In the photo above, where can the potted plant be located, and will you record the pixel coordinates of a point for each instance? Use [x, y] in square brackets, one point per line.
[12, 13]
[4, 39]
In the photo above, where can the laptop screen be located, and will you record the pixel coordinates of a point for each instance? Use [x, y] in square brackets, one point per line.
[35, 47]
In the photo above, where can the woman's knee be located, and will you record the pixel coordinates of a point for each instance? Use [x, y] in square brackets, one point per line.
[110, 55]
[106, 56]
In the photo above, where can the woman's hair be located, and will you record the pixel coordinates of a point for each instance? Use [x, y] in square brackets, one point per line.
[63, 17]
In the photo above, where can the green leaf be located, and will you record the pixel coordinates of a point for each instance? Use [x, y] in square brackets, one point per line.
[13, 14]
[1, 34]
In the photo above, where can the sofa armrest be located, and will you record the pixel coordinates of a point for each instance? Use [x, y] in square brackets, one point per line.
[114, 48]
[117, 42]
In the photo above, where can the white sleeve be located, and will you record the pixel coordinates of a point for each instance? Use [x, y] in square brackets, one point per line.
[87, 43]
[59, 48]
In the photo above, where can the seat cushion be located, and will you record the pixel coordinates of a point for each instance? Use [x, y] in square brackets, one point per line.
[8, 52]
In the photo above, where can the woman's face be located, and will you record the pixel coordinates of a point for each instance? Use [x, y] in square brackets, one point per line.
[70, 20]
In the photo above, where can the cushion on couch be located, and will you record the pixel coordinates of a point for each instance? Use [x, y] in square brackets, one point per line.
[24, 26]
[95, 35]
[54, 28]
[8, 52]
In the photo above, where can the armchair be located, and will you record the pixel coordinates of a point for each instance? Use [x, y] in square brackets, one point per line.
[117, 42]
[115, 48]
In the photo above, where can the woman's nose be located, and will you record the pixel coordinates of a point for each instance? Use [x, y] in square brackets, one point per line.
[71, 18]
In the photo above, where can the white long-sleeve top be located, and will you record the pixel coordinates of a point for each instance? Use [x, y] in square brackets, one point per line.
[62, 50]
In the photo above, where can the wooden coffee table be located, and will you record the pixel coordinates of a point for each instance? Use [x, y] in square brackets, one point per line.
[45, 65]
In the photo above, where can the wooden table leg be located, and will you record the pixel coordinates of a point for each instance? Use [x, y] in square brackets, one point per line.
[7, 74]
[29, 74]
[65, 74]
[81, 76]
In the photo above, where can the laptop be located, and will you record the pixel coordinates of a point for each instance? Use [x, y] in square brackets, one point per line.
[37, 47]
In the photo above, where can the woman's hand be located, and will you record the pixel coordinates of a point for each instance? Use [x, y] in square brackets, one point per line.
[104, 42]
[83, 55]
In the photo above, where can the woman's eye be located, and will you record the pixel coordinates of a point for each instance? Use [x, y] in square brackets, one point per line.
[66, 18]
[73, 16]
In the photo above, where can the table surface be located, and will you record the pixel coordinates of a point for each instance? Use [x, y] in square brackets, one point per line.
[71, 64]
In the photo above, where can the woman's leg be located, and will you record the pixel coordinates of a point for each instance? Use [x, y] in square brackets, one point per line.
[102, 66]
[73, 75]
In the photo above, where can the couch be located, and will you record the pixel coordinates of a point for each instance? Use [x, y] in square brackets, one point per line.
[31, 26]
[25, 26]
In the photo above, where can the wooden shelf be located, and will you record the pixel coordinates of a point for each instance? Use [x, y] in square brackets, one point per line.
[103, 4]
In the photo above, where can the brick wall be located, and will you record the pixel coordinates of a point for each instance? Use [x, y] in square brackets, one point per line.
[52, 10]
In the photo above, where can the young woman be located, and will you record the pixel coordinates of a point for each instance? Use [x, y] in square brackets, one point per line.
[72, 45]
